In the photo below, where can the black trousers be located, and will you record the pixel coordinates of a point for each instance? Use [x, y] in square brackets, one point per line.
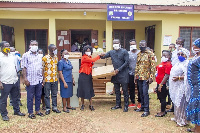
[132, 89]
[13, 90]
[118, 93]
[162, 96]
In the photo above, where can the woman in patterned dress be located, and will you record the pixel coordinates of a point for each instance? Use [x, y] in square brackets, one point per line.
[193, 108]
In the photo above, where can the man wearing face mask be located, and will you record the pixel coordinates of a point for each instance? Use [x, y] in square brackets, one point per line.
[50, 82]
[18, 68]
[144, 73]
[96, 48]
[120, 60]
[31, 65]
[179, 44]
[8, 82]
[132, 64]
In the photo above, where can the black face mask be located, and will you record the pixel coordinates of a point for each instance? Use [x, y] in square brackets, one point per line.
[142, 48]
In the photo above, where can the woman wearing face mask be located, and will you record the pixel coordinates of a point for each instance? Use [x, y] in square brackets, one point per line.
[66, 80]
[192, 111]
[179, 88]
[85, 85]
[163, 72]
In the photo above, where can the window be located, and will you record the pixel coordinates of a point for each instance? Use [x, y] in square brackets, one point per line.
[39, 35]
[190, 34]
[124, 36]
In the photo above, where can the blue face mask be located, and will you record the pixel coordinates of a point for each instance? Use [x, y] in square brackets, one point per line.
[181, 58]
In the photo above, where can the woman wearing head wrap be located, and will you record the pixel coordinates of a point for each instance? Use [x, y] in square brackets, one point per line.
[178, 87]
[85, 85]
[193, 108]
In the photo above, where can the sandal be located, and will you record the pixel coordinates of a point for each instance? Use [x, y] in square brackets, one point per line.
[40, 114]
[82, 107]
[32, 116]
[66, 111]
[190, 130]
[72, 108]
[91, 108]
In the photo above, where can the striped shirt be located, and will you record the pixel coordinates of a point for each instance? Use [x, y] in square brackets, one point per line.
[33, 65]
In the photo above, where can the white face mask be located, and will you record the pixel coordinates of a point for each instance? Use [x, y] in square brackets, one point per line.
[116, 46]
[195, 51]
[88, 53]
[164, 59]
[132, 47]
[55, 52]
[177, 46]
[33, 48]
[12, 53]
[66, 56]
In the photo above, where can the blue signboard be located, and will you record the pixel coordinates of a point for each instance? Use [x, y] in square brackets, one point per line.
[120, 12]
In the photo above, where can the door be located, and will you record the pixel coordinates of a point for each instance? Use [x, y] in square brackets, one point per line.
[150, 36]
[124, 36]
[94, 37]
[63, 41]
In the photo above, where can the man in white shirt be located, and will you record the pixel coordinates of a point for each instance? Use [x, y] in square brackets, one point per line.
[96, 48]
[8, 82]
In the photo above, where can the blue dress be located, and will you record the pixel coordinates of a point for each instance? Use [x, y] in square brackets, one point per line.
[66, 68]
[193, 108]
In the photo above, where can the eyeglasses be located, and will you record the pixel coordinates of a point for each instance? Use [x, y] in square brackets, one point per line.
[180, 54]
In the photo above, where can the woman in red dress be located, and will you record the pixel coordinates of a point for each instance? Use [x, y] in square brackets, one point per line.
[85, 84]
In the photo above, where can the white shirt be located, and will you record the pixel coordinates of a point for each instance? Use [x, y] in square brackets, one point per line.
[8, 73]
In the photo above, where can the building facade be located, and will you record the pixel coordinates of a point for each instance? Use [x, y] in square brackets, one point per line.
[66, 22]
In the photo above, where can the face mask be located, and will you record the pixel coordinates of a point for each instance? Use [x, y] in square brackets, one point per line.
[88, 53]
[96, 47]
[132, 47]
[40, 55]
[164, 59]
[33, 48]
[12, 53]
[116, 46]
[6, 50]
[142, 48]
[195, 51]
[177, 46]
[66, 56]
[55, 52]
[181, 58]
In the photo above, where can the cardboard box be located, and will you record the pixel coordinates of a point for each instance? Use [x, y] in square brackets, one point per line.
[75, 55]
[101, 72]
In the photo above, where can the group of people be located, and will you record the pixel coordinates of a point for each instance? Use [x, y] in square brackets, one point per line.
[176, 77]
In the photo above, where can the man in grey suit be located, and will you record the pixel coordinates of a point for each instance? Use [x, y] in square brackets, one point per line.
[120, 58]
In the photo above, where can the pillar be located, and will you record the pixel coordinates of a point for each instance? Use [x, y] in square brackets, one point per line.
[108, 35]
[52, 31]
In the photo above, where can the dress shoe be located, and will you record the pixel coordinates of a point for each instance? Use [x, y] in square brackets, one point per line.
[145, 114]
[5, 118]
[170, 110]
[139, 110]
[19, 114]
[125, 109]
[47, 112]
[56, 111]
[116, 107]
[91, 108]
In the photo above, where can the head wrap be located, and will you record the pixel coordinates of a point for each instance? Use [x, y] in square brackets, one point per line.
[197, 42]
[185, 51]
